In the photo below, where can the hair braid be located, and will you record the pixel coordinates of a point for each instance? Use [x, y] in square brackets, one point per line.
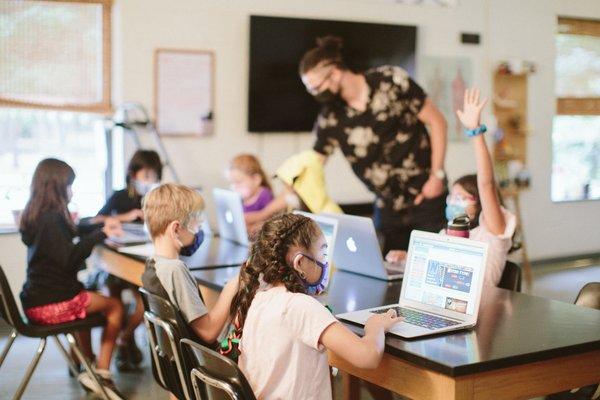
[268, 259]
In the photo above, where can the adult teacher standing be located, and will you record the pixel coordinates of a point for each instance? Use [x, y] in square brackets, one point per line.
[377, 119]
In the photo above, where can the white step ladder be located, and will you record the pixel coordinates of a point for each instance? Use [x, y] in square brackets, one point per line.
[134, 120]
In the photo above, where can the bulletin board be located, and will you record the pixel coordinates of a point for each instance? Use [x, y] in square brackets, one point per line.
[184, 92]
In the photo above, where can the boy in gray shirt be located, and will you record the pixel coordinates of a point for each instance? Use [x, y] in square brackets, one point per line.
[173, 216]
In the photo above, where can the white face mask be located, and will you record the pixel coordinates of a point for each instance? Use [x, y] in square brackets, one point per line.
[142, 188]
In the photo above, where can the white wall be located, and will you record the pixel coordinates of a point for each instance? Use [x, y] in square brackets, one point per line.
[524, 29]
[13, 259]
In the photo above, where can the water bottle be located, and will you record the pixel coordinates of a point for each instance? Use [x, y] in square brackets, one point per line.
[459, 226]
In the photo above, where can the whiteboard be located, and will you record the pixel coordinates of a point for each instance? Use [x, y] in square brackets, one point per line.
[184, 91]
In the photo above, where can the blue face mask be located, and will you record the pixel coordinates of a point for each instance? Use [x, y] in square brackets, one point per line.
[453, 210]
[190, 249]
[319, 286]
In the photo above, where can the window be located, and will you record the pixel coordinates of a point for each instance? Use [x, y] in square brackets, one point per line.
[55, 54]
[54, 89]
[29, 136]
[576, 128]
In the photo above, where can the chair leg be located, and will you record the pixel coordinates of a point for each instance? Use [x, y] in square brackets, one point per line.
[11, 339]
[30, 369]
[86, 364]
[67, 357]
[196, 387]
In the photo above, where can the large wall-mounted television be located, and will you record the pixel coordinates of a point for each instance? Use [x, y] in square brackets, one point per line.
[277, 99]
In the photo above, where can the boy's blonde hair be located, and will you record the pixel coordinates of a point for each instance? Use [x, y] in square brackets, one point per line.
[170, 202]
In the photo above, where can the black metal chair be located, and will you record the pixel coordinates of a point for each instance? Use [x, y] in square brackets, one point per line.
[10, 313]
[166, 327]
[511, 277]
[588, 296]
[219, 376]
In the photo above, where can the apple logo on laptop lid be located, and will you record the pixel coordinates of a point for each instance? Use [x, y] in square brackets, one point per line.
[351, 244]
[229, 217]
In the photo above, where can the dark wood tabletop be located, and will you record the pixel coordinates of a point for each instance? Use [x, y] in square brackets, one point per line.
[513, 328]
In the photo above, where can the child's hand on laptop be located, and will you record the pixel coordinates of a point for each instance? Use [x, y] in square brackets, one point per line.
[382, 321]
[395, 256]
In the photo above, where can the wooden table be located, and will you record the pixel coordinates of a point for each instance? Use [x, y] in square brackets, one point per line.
[523, 346]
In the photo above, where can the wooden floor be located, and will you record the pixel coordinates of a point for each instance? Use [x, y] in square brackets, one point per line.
[51, 380]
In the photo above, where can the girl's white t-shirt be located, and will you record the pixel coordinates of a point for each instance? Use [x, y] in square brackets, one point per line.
[280, 352]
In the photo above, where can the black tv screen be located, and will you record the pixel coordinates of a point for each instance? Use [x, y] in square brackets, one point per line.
[277, 100]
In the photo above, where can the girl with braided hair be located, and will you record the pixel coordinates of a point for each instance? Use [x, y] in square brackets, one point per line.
[285, 332]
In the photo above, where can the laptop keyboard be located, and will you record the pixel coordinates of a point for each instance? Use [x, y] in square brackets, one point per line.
[418, 318]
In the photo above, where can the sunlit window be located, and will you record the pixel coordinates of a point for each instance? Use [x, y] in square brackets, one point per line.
[576, 158]
[29, 136]
[576, 128]
[54, 88]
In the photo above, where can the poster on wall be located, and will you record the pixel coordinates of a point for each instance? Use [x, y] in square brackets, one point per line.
[184, 92]
[445, 79]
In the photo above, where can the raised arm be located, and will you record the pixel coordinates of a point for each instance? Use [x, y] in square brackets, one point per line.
[470, 117]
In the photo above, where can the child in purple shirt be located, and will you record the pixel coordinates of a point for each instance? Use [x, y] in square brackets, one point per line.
[247, 178]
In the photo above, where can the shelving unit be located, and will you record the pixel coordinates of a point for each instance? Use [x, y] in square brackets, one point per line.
[510, 110]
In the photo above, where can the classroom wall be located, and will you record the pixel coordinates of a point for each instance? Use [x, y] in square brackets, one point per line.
[13, 259]
[524, 29]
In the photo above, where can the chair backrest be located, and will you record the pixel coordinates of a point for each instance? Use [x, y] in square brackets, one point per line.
[166, 327]
[222, 376]
[9, 311]
[589, 296]
[511, 277]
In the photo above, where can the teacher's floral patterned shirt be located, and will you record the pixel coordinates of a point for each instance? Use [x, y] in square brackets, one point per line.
[387, 146]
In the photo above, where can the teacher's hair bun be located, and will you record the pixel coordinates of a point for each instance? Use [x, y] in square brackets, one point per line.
[330, 43]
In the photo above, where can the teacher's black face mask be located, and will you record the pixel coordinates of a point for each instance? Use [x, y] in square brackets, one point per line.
[326, 97]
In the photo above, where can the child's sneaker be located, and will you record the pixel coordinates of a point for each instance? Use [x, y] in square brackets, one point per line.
[105, 380]
[135, 354]
[122, 358]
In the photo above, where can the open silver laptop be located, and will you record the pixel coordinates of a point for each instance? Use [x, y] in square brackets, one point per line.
[441, 289]
[357, 249]
[230, 216]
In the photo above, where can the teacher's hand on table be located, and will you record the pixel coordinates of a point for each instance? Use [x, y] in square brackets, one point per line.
[434, 187]
[395, 256]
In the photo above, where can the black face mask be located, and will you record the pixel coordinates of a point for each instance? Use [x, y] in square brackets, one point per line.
[326, 97]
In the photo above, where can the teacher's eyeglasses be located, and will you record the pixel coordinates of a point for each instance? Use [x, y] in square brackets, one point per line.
[317, 88]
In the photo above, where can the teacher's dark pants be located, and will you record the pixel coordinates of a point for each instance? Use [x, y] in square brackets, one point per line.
[395, 227]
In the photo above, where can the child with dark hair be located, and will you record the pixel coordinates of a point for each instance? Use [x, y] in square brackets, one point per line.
[284, 331]
[52, 294]
[477, 197]
[143, 173]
